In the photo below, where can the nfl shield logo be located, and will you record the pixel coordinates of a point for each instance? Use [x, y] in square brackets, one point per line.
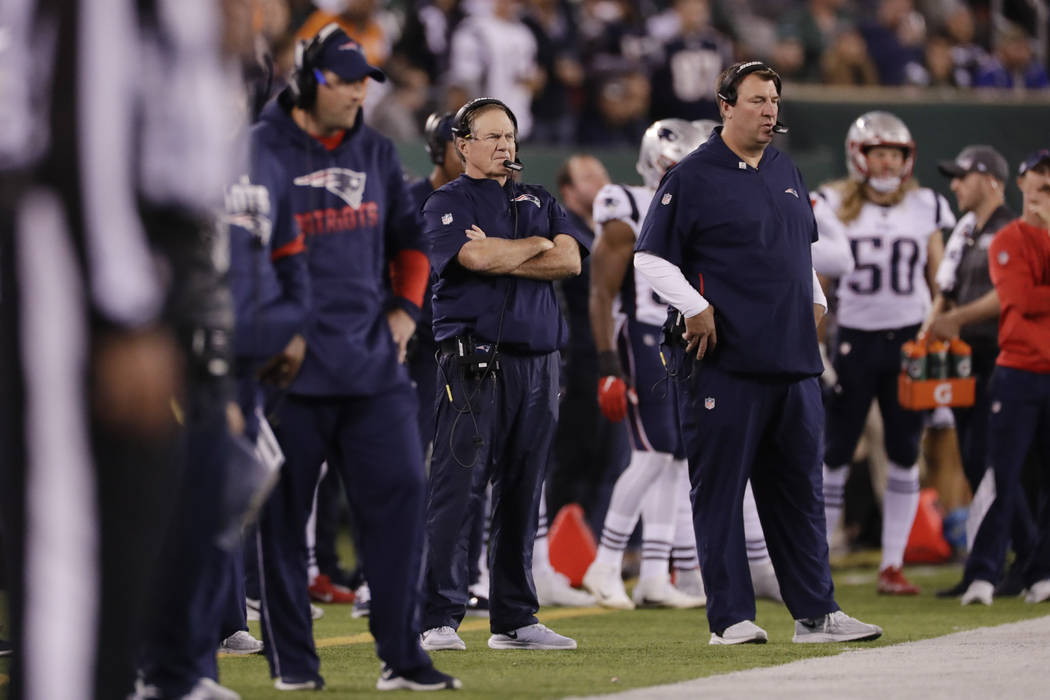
[446, 219]
[666, 199]
[709, 403]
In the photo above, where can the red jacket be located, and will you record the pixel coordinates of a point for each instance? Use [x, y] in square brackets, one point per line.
[1019, 264]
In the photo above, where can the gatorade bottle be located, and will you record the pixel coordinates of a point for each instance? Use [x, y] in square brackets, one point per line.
[937, 360]
[961, 358]
[913, 360]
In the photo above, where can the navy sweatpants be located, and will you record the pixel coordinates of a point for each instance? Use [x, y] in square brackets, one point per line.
[1019, 419]
[194, 575]
[373, 442]
[505, 437]
[735, 428]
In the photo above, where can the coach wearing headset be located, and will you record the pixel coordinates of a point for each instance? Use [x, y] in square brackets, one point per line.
[495, 248]
[732, 222]
[346, 395]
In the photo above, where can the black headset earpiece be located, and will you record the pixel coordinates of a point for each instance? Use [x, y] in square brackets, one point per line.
[435, 140]
[307, 53]
[461, 122]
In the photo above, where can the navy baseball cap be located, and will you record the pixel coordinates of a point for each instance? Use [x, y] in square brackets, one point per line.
[1033, 160]
[976, 159]
[345, 57]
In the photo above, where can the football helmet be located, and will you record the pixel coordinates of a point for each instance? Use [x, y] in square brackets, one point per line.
[706, 126]
[665, 143]
[878, 129]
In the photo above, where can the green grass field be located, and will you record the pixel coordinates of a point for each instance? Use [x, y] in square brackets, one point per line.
[622, 650]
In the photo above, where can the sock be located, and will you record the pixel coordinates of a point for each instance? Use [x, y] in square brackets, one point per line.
[834, 496]
[898, 512]
[753, 534]
[684, 556]
[658, 516]
[626, 504]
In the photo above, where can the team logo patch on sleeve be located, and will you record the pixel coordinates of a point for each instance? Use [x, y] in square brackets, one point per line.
[1003, 257]
[526, 197]
[709, 403]
[348, 185]
[446, 219]
[792, 191]
[666, 199]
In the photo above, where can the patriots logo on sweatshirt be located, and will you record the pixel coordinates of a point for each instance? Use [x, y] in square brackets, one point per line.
[348, 185]
[528, 198]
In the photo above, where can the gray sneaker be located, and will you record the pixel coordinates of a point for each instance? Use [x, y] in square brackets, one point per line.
[834, 627]
[241, 642]
[531, 637]
[441, 638]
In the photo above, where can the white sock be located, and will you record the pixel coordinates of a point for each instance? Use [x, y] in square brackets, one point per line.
[626, 504]
[658, 519]
[683, 547]
[312, 569]
[753, 534]
[834, 496]
[541, 545]
[898, 512]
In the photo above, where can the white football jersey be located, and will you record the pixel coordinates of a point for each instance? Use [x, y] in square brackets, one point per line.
[637, 299]
[887, 288]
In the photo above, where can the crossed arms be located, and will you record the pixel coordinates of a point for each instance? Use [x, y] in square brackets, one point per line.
[533, 257]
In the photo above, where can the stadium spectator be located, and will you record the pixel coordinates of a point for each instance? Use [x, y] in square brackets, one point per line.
[1013, 65]
[617, 106]
[894, 39]
[496, 55]
[804, 34]
[967, 54]
[939, 65]
[556, 106]
[690, 60]
[847, 62]
[426, 36]
[396, 114]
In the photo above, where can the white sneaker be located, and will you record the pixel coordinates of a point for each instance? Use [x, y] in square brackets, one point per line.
[690, 582]
[1038, 591]
[764, 581]
[535, 636]
[553, 588]
[441, 638]
[251, 609]
[207, 689]
[978, 592]
[241, 642]
[657, 592]
[834, 627]
[607, 586]
[316, 611]
[745, 632]
[281, 684]
[362, 601]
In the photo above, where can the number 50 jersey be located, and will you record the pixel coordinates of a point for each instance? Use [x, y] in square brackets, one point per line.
[637, 300]
[888, 288]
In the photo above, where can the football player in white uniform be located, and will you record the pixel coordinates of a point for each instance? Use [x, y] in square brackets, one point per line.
[894, 229]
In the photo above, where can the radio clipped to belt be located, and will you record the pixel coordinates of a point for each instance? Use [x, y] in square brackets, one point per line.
[476, 359]
[935, 373]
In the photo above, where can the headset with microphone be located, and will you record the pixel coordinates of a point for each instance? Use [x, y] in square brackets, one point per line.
[307, 75]
[437, 132]
[461, 125]
[727, 88]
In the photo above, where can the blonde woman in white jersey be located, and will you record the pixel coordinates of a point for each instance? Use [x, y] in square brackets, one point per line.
[894, 229]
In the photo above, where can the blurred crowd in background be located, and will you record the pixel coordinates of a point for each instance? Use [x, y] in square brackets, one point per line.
[598, 72]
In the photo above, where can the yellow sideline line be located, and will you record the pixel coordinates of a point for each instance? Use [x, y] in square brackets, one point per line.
[472, 625]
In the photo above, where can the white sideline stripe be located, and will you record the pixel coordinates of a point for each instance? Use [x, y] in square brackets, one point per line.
[1004, 661]
[61, 548]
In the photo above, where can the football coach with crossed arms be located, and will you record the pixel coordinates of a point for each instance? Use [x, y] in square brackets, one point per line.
[495, 248]
[727, 243]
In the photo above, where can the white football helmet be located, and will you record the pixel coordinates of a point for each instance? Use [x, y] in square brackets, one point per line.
[878, 129]
[665, 143]
[706, 126]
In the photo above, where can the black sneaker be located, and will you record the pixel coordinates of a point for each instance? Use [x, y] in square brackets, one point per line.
[427, 678]
[955, 591]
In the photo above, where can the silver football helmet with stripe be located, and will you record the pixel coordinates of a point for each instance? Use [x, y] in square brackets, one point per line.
[665, 143]
[878, 129]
